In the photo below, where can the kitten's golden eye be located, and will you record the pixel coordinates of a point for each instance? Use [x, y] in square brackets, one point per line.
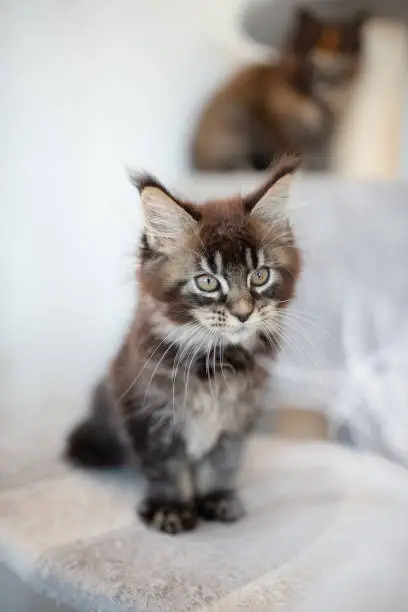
[207, 282]
[260, 277]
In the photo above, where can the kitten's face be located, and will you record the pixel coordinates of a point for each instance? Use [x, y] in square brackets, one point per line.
[331, 47]
[236, 285]
[225, 269]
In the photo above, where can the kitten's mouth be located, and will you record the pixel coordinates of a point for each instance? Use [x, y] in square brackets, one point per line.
[240, 328]
[239, 333]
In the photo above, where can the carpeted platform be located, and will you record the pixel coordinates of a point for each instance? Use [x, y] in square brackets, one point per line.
[322, 524]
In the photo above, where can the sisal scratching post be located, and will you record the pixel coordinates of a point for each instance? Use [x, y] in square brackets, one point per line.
[368, 144]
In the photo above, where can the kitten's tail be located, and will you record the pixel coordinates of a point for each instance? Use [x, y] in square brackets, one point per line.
[94, 442]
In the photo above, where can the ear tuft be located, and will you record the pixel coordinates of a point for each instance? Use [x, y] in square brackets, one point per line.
[142, 179]
[269, 203]
[286, 166]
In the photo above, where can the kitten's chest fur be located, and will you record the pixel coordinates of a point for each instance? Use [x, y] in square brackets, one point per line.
[224, 404]
[201, 402]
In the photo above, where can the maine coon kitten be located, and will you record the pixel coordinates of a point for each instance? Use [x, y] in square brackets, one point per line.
[186, 386]
[292, 105]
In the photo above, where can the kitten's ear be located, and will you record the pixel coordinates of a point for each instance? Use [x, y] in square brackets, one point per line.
[272, 206]
[305, 16]
[269, 203]
[166, 222]
[360, 18]
[306, 28]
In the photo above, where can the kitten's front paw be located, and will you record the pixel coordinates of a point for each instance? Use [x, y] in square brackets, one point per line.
[167, 516]
[224, 506]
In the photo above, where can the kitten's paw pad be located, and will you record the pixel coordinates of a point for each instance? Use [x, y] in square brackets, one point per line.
[224, 506]
[166, 516]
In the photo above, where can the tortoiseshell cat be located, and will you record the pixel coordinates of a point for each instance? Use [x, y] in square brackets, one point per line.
[186, 386]
[289, 106]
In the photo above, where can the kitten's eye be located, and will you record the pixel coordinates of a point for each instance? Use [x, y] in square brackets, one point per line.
[260, 277]
[207, 282]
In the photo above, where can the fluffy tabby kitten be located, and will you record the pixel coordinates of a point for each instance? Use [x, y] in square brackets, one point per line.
[289, 106]
[186, 385]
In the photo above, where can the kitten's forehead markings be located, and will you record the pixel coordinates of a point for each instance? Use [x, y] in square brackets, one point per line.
[248, 258]
[261, 258]
[205, 265]
[218, 262]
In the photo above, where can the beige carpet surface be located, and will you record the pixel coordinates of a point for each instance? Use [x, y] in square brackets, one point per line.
[314, 511]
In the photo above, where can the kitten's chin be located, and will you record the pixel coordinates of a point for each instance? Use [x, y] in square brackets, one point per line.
[240, 335]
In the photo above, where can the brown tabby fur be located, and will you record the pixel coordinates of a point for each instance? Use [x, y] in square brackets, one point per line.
[187, 384]
[289, 106]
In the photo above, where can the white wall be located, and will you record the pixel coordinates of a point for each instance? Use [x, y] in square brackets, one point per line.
[88, 87]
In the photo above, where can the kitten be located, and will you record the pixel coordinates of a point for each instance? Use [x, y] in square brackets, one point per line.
[289, 106]
[186, 386]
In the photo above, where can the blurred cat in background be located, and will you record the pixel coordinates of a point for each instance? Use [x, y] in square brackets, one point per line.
[264, 110]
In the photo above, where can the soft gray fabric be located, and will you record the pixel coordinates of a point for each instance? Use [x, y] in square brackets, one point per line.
[347, 348]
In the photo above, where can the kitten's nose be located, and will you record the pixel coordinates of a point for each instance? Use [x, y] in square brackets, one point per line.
[242, 317]
[242, 309]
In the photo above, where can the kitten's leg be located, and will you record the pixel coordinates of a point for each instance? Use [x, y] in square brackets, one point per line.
[168, 505]
[169, 500]
[216, 498]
